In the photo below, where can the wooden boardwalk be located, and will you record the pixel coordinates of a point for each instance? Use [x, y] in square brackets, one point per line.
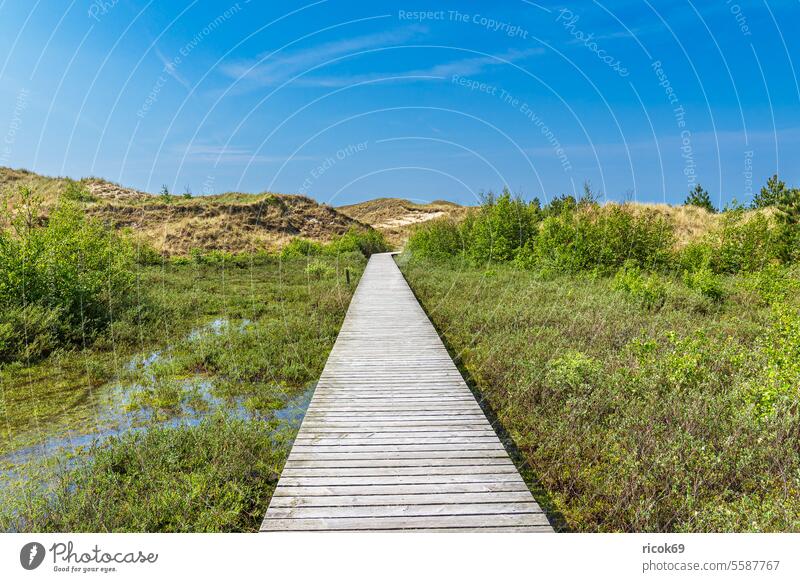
[393, 438]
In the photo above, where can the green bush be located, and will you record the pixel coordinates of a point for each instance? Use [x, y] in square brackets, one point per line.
[705, 282]
[367, 242]
[501, 227]
[743, 243]
[66, 262]
[29, 333]
[146, 255]
[318, 270]
[778, 383]
[647, 290]
[572, 236]
[572, 375]
[603, 237]
[436, 239]
[301, 247]
[772, 284]
[77, 192]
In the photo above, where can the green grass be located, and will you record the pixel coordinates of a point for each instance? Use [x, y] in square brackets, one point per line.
[294, 317]
[256, 335]
[638, 402]
[214, 477]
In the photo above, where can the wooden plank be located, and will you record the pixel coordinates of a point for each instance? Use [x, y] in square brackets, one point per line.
[407, 510]
[387, 463]
[393, 439]
[406, 489]
[401, 499]
[405, 522]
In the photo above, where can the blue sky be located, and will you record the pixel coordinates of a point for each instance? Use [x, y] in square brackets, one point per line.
[348, 101]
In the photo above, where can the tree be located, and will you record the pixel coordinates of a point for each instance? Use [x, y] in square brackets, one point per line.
[589, 198]
[789, 206]
[165, 195]
[771, 194]
[699, 197]
[187, 192]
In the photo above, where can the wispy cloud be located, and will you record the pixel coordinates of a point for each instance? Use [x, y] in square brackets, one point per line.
[282, 67]
[231, 155]
[171, 70]
[462, 67]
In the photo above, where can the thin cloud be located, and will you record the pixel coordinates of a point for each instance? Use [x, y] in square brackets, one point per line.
[283, 66]
[232, 155]
[462, 67]
[170, 69]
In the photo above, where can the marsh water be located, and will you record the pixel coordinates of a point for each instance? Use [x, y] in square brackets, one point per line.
[108, 411]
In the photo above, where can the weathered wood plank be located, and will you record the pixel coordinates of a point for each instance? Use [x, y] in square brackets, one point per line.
[401, 499]
[406, 522]
[393, 439]
[407, 510]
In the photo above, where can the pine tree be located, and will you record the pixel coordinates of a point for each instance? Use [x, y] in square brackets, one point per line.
[699, 197]
[771, 194]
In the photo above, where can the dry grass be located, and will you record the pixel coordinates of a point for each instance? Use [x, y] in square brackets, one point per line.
[396, 217]
[238, 222]
[233, 222]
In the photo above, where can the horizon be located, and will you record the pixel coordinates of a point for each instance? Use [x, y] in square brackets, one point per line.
[348, 103]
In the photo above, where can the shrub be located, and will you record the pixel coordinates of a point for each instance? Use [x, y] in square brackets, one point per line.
[779, 379]
[705, 282]
[28, 333]
[501, 227]
[603, 238]
[648, 291]
[695, 255]
[301, 247]
[367, 242]
[146, 255]
[77, 192]
[772, 284]
[743, 243]
[436, 239]
[572, 375]
[318, 270]
[68, 263]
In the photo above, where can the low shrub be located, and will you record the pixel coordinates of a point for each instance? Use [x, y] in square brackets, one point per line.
[318, 270]
[66, 263]
[777, 385]
[301, 247]
[705, 282]
[29, 333]
[436, 239]
[367, 242]
[646, 290]
[603, 237]
[772, 284]
[77, 192]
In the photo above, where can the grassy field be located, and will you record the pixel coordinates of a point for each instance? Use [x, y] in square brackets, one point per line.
[632, 419]
[167, 421]
[649, 380]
